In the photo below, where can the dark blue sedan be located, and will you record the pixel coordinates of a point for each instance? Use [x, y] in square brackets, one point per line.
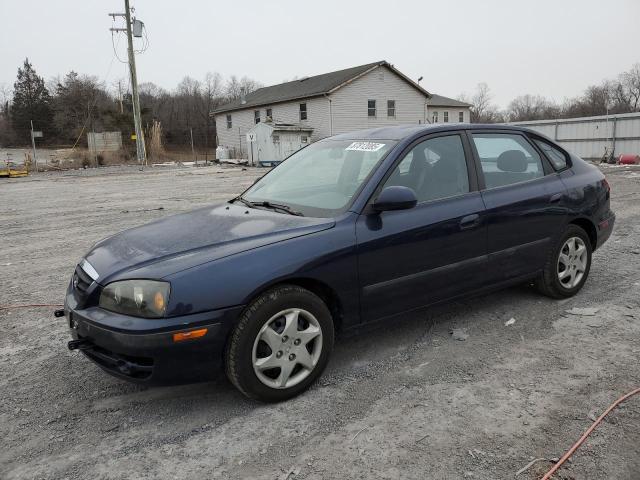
[352, 229]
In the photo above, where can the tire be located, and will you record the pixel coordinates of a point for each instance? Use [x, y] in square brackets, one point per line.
[265, 356]
[564, 277]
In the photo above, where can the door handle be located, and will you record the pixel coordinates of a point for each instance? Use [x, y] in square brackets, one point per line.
[470, 221]
[555, 198]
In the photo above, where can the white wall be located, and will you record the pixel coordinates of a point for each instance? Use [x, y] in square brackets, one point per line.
[288, 112]
[348, 107]
[588, 137]
[453, 114]
[349, 103]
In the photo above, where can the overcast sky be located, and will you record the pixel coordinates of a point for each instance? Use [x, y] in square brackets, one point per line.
[551, 47]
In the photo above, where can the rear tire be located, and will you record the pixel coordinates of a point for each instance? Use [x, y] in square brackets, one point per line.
[567, 266]
[281, 344]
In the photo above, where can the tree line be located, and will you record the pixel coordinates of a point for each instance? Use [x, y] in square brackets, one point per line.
[68, 107]
[619, 95]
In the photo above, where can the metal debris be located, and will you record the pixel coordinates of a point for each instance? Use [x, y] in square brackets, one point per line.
[585, 312]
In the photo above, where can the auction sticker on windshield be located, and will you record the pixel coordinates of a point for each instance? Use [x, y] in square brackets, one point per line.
[365, 146]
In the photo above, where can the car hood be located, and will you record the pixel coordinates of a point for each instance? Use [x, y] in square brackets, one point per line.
[182, 241]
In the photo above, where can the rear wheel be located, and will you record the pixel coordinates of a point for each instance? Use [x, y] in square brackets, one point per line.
[568, 264]
[281, 344]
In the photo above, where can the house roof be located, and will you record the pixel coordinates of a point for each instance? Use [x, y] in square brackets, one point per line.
[440, 101]
[309, 87]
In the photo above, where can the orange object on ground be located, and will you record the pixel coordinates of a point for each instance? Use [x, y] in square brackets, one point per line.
[584, 436]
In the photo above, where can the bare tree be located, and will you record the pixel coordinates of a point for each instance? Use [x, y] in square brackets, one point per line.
[7, 135]
[630, 82]
[531, 107]
[237, 87]
[212, 96]
[482, 109]
[481, 102]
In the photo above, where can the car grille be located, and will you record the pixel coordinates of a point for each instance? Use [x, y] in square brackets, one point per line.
[81, 281]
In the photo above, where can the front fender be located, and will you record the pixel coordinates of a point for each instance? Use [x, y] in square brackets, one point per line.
[328, 256]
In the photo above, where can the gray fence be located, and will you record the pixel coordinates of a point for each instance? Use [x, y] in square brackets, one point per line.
[104, 141]
[591, 137]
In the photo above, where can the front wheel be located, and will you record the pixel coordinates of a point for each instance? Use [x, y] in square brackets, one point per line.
[568, 264]
[280, 345]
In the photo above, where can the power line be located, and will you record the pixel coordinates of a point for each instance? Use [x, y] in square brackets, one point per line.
[115, 51]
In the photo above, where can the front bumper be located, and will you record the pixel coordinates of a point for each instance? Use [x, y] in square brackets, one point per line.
[144, 350]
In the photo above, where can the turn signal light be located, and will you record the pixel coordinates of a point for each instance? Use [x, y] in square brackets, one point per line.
[180, 336]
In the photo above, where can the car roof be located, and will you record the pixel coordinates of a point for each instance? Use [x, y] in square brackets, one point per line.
[401, 132]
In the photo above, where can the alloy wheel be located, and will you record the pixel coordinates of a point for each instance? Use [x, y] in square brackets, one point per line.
[572, 262]
[287, 348]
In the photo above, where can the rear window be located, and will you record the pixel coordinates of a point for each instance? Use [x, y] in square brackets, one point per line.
[556, 156]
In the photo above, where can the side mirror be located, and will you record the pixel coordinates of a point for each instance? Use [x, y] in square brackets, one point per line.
[395, 198]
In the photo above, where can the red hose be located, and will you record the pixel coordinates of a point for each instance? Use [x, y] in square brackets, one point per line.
[588, 432]
[32, 305]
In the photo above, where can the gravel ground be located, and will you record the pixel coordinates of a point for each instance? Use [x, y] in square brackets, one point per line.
[403, 401]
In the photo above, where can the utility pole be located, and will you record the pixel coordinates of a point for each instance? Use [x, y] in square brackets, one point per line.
[120, 96]
[33, 144]
[140, 148]
[193, 152]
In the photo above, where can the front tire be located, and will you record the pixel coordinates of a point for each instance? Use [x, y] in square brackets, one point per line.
[568, 265]
[280, 345]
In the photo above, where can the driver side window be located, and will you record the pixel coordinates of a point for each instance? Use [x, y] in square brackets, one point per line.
[433, 169]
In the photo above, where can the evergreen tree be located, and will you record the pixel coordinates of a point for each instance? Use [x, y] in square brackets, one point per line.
[31, 101]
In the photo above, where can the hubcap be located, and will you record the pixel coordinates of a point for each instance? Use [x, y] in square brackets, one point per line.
[572, 262]
[287, 348]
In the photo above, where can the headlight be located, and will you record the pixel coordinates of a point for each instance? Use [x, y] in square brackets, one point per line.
[139, 298]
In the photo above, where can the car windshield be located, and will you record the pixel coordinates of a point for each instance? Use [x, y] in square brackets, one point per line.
[319, 180]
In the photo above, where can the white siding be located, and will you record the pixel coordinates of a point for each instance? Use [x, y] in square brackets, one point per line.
[454, 113]
[346, 111]
[317, 115]
[287, 112]
[349, 103]
[235, 137]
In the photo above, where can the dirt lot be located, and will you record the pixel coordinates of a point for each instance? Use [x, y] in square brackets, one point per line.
[405, 401]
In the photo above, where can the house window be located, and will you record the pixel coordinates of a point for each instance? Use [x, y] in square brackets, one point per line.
[434, 118]
[371, 108]
[391, 108]
[303, 139]
[445, 117]
[461, 117]
[229, 124]
[303, 111]
[256, 116]
[269, 114]
[276, 138]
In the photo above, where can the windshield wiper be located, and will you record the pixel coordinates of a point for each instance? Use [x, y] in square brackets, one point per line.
[246, 202]
[270, 205]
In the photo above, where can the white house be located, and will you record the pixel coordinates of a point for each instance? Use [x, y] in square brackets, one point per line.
[367, 96]
[444, 110]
